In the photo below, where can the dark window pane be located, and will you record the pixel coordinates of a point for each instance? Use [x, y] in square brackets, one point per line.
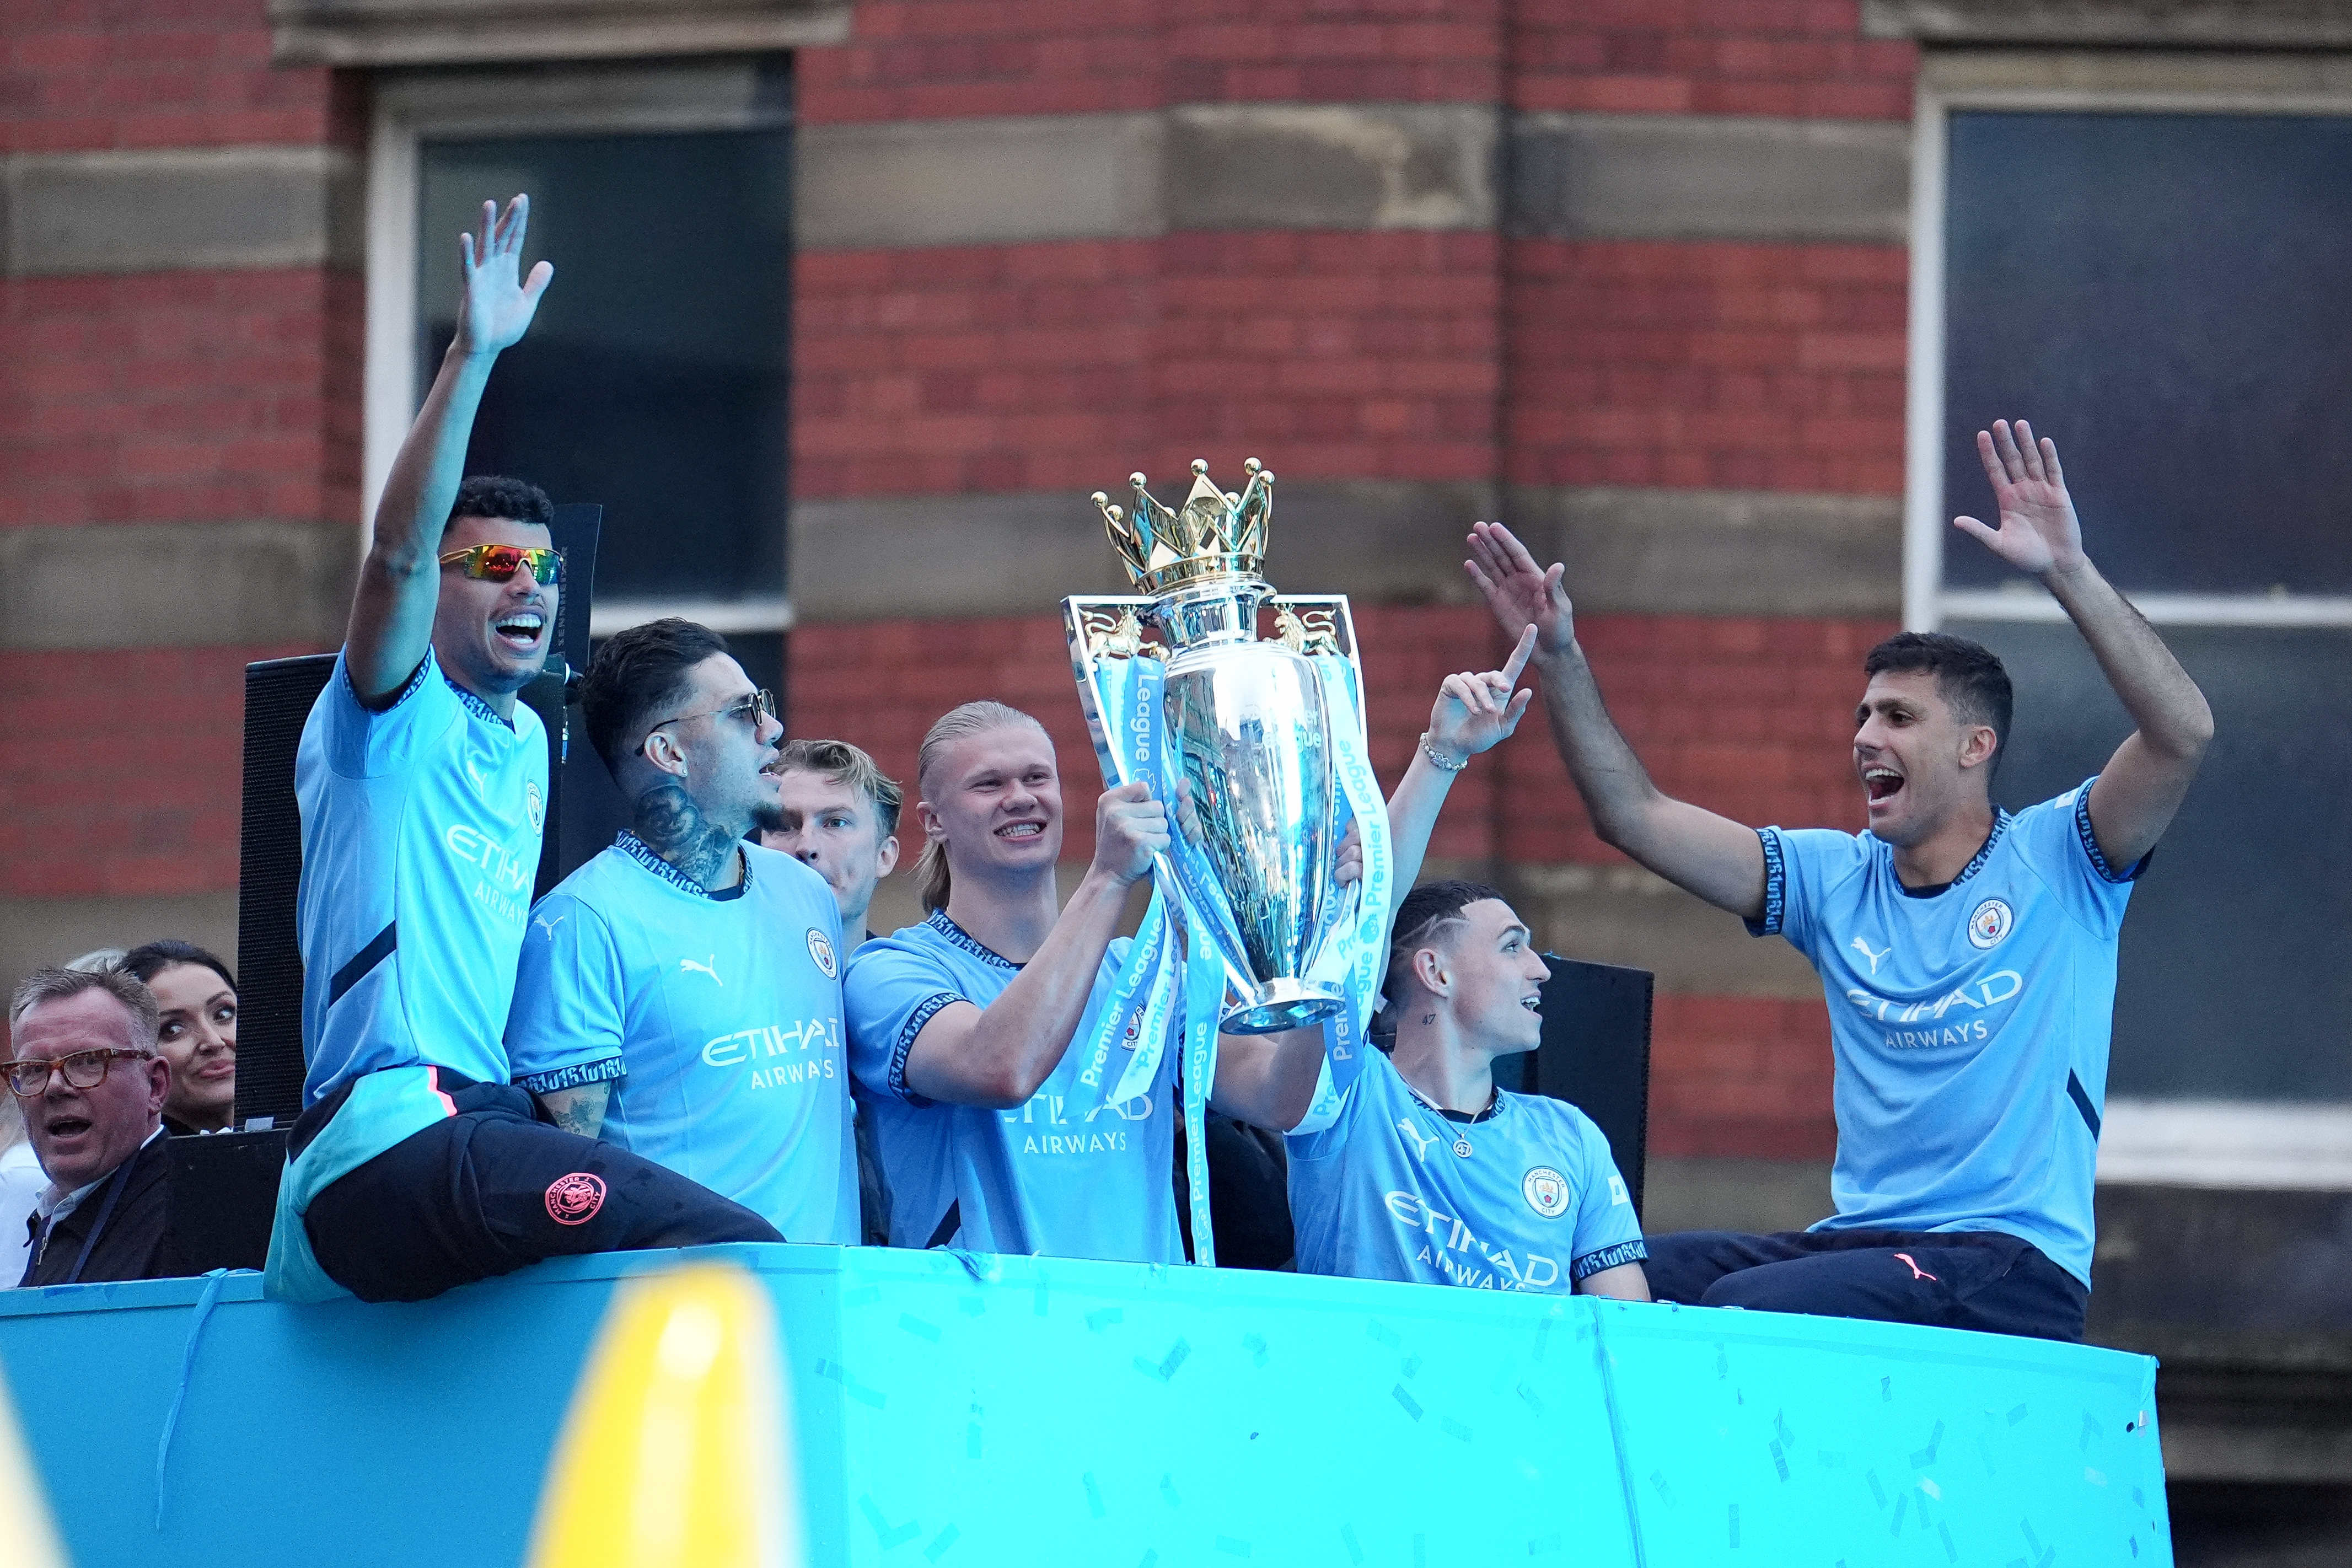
[2236, 972]
[654, 379]
[2166, 296]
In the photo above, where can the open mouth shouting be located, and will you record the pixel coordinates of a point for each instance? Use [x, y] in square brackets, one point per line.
[1883, 781]
[63, 1126]
[519, 630]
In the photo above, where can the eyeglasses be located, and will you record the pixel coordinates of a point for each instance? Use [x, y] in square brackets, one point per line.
[756, 708]
[499, 562]
[83, 1069]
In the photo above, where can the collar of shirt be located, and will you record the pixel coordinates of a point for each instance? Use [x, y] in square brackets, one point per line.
[938, 921]
[51, 1206]
[643, 853]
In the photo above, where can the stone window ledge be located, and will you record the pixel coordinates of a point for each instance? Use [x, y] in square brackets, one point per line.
[476, 32]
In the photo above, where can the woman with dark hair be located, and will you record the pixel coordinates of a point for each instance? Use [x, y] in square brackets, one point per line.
[198, 1034]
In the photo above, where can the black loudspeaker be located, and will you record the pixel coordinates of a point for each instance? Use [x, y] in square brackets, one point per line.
[279, 693]
[583, 813]
[220, 1192]
[1595, 1054]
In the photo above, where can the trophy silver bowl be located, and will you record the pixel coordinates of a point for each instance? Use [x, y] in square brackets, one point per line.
[1242, 718]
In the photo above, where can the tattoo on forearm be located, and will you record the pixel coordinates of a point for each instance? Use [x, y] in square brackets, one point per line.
[572, 1117]
[674, 828]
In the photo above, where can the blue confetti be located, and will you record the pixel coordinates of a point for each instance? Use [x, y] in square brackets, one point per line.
[920, 1329]
[1103, 1317]
[1255, 1345]
[1233, 1548]
[1094, 1495]
[1543, 1332]
[1951, 1552]
[2137, 1501]
[2090, 1430]
[1168, 1363]
[1780, 1429]
[941, 1542]
[1420, 1551]
[1452, 1429]
[1381, 1335]
[1528, 1394]
[2132, 1541]
[1658, 1479]
[1886, 1390]
[1985, 1448]
[1926, 1456]
[2017, 1416]
[883, 1532]
[1735, 1525]
[1412, 1367]
[1902, 1501]
[1877, 1490]
[1150, 1557]
[1411, 1407]
[1779, 1459]
[1829, 1459]
[1722, 1363]
[1348, 1540]
[1168, 1490]
[1544, 1543]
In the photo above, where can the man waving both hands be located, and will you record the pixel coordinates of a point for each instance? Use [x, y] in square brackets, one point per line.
[1967, 954]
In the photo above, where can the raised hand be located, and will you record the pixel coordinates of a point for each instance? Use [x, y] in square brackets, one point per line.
[1473, 713]
[498, 303]
[1520, 593]
[2038, 533]
[1131, 827]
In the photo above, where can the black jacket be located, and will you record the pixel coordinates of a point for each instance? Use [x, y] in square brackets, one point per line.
[130, 1244]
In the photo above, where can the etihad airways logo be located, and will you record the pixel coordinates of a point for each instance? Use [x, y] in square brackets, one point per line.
[1957, 1018]
[776, 1040]
[1452, 1250]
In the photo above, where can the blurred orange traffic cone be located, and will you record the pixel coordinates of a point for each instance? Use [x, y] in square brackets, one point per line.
[676, 1452]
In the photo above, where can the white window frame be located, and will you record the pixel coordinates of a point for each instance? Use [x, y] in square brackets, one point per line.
[2299, 1146]
[411, 107]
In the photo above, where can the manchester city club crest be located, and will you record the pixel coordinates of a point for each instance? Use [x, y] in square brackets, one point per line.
[821, 951]
[1991, 922]
[534, 807]
[1545, 1191]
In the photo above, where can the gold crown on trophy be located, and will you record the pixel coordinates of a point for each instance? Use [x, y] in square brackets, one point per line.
[1215, 533]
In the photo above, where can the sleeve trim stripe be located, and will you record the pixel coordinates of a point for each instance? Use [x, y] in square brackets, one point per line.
[603, 1069]
[925, 1010]
[2099, 862]
[1617, 1256]
[1775, 885]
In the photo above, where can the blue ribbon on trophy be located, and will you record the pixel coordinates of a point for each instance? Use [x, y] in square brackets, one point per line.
[1267, 735]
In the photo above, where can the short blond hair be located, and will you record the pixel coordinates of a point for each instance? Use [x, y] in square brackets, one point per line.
[956, 724]
[839, 762]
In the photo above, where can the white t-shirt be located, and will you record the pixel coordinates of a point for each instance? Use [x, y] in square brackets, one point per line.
[21, 1184]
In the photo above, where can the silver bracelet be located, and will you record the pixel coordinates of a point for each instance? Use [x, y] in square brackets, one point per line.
[1438, 759]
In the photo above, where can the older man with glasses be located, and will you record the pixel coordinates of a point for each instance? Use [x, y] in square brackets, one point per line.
[85, 1072]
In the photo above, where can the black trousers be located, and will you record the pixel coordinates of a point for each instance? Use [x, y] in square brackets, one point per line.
[1979, 1280]
[493, 1188]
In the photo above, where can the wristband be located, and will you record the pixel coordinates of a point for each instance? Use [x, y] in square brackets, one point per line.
[1440, 759]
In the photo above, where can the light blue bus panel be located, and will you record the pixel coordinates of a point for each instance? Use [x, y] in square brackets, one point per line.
[956, 1411]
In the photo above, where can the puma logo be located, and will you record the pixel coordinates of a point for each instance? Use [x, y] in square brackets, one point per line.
[549, 925]
[1862, 947]
[1917, 1272]
[684, 964]
[1420, 1144]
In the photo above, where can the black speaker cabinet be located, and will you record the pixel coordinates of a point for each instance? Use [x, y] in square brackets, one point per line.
[1595, 1055]
[220, 1193]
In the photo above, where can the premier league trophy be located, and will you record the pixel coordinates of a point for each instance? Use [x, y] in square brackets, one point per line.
[1267, 734]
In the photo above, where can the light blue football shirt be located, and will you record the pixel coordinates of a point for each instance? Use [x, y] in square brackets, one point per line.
[1526, 1197]
[420, 841]
[1970, 1024]
[1068, 1175]
[719, 1016]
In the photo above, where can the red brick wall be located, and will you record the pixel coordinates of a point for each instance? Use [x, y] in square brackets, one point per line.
[192, 73]
[1707, 366]
[1800, 58]
[134, 785]
[1068, 365]
[180, 398]
[1740, 1076]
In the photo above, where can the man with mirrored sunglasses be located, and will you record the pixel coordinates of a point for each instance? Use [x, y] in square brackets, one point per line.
[417, 1165]
[83, 1069]
[680, 992]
